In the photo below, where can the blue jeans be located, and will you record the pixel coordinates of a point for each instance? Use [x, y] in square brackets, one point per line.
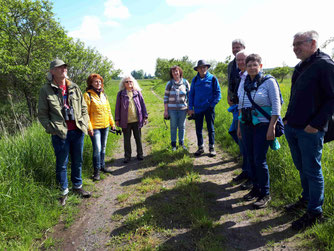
[177, 121]
[72, 145]
[210, 120]
[99, 141]
[306, 152]
[256, 146]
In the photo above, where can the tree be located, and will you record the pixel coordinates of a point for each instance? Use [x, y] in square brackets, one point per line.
[281, 72]
[138, 74]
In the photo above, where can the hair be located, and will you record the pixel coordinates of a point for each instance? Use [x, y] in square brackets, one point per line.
[242, 52]
[90, 81]
[135, 83]
[239, 41]
[312, 35]
[175, 67]
[253, 57]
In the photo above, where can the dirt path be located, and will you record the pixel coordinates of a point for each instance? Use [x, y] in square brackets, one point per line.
[241, 227]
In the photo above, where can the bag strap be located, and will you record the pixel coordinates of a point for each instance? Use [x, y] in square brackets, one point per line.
[258, 107]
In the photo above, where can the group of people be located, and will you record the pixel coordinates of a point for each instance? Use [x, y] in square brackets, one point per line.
[255, 102]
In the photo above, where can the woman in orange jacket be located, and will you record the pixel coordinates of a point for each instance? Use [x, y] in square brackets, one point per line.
[100, 118]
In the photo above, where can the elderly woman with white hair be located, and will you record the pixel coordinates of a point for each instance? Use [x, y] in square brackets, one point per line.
[130, 115]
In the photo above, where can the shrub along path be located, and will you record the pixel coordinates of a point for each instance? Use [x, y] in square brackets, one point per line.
[171, 201]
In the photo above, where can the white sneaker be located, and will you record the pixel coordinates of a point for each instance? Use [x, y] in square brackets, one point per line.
[184, 147]
[174, 149]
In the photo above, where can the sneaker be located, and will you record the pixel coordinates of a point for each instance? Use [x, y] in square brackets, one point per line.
[307, 220]
[297, 206]
[199, 152]
[184, 147]
[212, 152]
[247, 185]
[253, 194]
[262, 202]
[63, 199]
[241, 177]
[106, 170]
[174, 149]
[81, 192]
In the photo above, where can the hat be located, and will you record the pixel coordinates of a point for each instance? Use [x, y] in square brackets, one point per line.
[201, 63]
[56, 63]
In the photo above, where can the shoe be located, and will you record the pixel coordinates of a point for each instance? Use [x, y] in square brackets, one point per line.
[140, 158]
[307, 220]
[241, 177]
[199, 152]
[126, 160]
[174, 149]
[81, 192]
[262, 202]
[212, 152]
[297, 206]
[184, 147]
[247, 185]
[106, 170]
[96, 175]
[63, 199]
[253, 194]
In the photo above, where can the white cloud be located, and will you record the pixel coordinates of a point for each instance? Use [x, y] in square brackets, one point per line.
[193, 2]
[115, 9]
[89, 29]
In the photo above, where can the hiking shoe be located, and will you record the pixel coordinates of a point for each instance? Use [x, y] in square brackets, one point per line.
[212, 152]
[96, 175]
[253, 194]
[199, 152]
[106, 170]
[63, 199]
[81, 192]
[262, 202]
[307, 220]
[247, 185]
[297, 206]
[242, 176]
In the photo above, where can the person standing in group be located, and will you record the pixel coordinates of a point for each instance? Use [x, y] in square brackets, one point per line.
[99, 120]
[257, 132]
[131, 115]
[204, 95]
[62, 111]
[176, 104]
[310, 107]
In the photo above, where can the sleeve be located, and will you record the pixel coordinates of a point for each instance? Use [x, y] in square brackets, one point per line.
[43, 112]
[88, 102]
[84, 110]
[167, 91]
[192, 94]
[118, 107]
[274, 96]
[216, 92]
[143, 106]
[111, 119]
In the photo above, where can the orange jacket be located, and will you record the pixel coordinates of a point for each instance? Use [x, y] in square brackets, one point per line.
[98, 110]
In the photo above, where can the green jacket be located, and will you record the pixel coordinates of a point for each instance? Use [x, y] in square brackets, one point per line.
[50, 109]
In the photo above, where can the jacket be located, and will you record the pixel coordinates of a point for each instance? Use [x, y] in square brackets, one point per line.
[50, 109]
[176, 95]
[312, 93]
[98, 110]
[122, 105]
[233, 80]
[204, 93]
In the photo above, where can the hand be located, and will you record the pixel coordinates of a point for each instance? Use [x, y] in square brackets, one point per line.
[191, 112]
[166, 114]
[117, 123]
[310, 129]
[285, 122]
[271, 133]
[239, 131]
[145, 121]
[91, 133]
[113, 128]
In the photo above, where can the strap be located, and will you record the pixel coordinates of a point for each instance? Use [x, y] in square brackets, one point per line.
[258, 107]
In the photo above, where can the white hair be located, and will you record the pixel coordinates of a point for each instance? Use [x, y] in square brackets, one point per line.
[135, 83]
[242, 52]
[239, 41]
[312, 35]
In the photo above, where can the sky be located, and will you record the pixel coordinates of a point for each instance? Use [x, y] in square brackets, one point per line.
[134, 33]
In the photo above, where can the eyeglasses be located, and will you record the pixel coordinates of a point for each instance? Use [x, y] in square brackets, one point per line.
[299, 43]
[128, 81]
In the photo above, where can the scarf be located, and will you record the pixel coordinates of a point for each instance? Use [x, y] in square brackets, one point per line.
[251, 85]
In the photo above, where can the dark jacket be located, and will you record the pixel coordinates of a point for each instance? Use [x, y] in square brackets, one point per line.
[312, 93]
[233, 81]
[122, 105]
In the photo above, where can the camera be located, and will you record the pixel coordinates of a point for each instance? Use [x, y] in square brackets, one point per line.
[68, 113]
[192, 116]
[117, 131]
[246, 115]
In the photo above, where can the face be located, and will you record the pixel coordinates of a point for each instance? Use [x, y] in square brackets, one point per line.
[176, 74]
[236, 47]
[59, 72]
[128, 84]
[303, 47]
[97, 84]
[253, 68]
[241, 62]
[202, 70]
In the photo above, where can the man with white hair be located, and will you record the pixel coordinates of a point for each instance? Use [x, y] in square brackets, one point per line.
[306, 121]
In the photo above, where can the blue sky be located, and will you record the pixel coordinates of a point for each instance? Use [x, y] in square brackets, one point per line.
[134, 33]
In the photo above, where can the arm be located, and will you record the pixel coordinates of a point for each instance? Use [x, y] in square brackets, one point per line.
[84, 110]
[117, 109]
[43, 112]
[90, 126]
[191, 97]
[143, 108]
[274, 97]
[111, 119]
[216, 92]
[166, 98]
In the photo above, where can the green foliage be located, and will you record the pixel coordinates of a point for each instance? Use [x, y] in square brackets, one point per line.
[281, 72]
[219, 69]
[138, 74]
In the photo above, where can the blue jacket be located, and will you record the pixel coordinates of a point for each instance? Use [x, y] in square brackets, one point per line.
[204, 93]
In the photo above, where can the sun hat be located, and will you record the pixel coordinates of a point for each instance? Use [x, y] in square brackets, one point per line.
[201, 63]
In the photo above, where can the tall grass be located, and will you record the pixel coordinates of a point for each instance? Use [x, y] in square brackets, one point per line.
[28, 190]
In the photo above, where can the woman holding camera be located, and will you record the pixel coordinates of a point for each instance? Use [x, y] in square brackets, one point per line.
[131, 115]
[176, 104]
[99, 120]
[256, 131]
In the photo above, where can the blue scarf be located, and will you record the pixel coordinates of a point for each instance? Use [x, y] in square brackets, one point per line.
[251, 85]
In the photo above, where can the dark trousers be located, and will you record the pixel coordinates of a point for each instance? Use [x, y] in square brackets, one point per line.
[209, 115]
[127, 139]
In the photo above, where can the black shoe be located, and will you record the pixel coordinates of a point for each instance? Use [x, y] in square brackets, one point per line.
[199, 152]
[253, 194]
[63, 199]
[140, 158]
[262, 202]
[298, 205]
[96, 175]
[126, 160]
[307, 220]
[247, 185]
[212, 152]
[106, 170]
[81, 192]
[242, 176]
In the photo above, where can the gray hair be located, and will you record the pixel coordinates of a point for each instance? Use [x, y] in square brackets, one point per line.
[242, 52]
[312, 35]
[135, 83]
[239, 41]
